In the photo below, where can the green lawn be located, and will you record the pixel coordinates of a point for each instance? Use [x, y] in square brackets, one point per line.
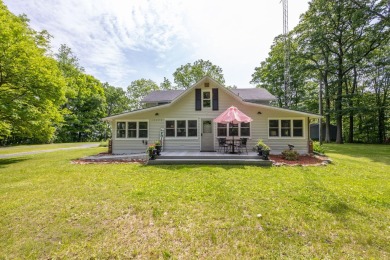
[40, 147]
[50, 208]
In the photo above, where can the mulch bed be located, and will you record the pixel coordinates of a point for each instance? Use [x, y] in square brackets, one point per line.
[304, 160]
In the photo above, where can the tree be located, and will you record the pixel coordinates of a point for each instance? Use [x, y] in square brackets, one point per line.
[270, 75]
[116, 99]
[344, 35]
[187, 75]
[31, 85]
[86, 102]
[137, 90]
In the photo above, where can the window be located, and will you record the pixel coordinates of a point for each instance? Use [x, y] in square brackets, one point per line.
[181, 128]
[222, 129]
[286, 128]
[245, 129]
[143, 129]
[132, 129]
[233, 129]
[206, 99]
[242, 129]
[120, 129]
[273, 128]
[170, 128]
[192, 128]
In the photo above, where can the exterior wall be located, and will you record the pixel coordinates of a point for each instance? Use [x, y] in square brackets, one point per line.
[184, 108]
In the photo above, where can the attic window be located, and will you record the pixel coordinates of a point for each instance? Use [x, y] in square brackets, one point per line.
[206, 99]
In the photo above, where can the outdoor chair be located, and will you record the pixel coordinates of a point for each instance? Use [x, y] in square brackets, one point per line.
[222, 145]
[242, 145]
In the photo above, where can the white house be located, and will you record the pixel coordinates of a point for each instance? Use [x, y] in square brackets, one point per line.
[184, 120]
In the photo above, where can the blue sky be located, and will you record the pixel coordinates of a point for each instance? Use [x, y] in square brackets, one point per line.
[119, 41]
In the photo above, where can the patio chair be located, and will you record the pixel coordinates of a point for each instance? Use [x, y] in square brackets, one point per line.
[222, 145]
[242, 145]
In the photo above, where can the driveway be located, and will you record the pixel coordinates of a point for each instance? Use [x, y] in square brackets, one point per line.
[47, 151]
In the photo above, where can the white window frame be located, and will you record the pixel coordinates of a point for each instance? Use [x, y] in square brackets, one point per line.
[239, 132]
[291, 119]
[126, 130]
[210, 99]
[175, 128]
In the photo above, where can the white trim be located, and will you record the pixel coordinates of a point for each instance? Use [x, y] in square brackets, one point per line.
[115, 124]
[304, 123]
[239, 131]
[175, 128]
[210, 99]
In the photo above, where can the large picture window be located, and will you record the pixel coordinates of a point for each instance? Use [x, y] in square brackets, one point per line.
[181, 128]
[132, 129]
[285, 128]
[227, 130]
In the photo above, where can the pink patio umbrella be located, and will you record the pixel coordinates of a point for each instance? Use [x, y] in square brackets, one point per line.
[233, 116]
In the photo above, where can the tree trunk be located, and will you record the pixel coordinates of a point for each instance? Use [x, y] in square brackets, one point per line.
[339, 105]
[350, 103]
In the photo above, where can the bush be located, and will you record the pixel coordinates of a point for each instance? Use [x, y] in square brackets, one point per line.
[290, 155]
[317, 147]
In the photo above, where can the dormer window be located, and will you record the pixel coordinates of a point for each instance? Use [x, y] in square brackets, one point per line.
[206, 99]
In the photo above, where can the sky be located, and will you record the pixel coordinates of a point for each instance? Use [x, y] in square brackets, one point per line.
[119, 41]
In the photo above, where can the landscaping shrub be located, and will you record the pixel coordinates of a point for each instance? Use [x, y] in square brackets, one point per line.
[290, 155]
[317, 147]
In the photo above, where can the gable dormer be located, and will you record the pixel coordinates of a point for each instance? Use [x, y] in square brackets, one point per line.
[206, 97]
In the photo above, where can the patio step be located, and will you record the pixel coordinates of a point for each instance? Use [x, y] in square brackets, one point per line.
[210, 161]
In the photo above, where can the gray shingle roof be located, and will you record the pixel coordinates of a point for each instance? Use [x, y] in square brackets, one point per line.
[253, 94]
[247, 94]
[162, 96]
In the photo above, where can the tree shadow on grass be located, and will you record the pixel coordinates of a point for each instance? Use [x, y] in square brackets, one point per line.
[7, 161]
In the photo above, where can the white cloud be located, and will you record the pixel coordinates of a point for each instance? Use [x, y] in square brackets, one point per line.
[120, 41]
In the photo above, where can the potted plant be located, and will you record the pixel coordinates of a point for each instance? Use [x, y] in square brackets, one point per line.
[151, 151]
[158, 146]
[263, 149]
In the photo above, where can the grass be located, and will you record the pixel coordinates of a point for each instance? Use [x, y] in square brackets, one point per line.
[50, 208]
[40, 147]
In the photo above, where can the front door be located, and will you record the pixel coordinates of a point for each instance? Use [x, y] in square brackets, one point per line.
[207, 136]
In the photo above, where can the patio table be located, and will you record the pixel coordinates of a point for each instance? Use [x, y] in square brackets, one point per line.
[232, 144]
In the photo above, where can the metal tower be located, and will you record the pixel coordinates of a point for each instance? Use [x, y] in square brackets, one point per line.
[286, 52]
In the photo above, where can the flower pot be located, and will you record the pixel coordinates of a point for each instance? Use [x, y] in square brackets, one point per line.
[158, 148]
[260, 151]
[265, 155]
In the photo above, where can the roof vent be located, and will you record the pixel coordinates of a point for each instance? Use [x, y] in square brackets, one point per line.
[206, 85]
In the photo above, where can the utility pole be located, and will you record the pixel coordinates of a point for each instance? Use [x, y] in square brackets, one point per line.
[286, 53]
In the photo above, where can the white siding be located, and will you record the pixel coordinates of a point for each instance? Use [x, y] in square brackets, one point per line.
[184, 108]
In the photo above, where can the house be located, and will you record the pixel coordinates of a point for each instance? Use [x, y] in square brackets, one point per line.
[183, 119]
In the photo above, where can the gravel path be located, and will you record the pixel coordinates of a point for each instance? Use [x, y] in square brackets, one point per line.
[48, 151]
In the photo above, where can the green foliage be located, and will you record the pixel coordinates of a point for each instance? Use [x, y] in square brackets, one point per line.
[317, 147]
[187, 75]
[86, 102]
[116, 99]
[31, 85]
[137, 90]
[264, 147]
[290, 155]
[337, 38]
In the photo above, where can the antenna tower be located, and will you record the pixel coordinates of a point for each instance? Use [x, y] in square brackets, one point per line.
[286, 52]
